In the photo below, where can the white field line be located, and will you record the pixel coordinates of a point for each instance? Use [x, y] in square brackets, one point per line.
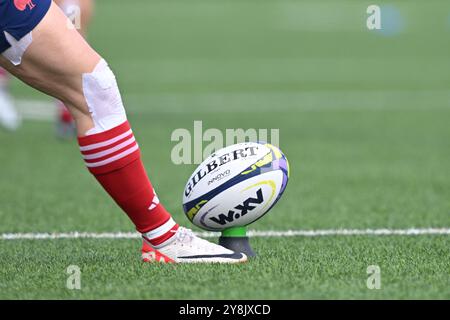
[251, 233]
[36, 109]
[241, 102]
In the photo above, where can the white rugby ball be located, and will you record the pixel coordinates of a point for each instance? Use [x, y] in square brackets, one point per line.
[235, 186]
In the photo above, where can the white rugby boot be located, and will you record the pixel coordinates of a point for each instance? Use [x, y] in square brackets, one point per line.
[186, 247]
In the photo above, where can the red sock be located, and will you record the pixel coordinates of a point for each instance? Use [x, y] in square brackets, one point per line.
[113, 157]
[64, 114]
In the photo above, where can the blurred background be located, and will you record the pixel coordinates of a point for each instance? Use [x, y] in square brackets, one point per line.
[364, 115]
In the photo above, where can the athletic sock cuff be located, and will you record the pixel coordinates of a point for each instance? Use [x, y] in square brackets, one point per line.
[109, 150]
[162, 233]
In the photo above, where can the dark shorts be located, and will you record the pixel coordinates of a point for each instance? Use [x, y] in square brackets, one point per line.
[19, 17]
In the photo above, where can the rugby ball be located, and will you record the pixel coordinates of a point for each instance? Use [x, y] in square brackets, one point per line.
[235, 186]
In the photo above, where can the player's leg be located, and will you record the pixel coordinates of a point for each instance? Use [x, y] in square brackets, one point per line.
[80, 12]
[59, 62]
[54, 61]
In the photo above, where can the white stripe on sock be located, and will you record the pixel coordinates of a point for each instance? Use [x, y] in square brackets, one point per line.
[107, 142]
[161, 230]
[109, 151]
[112, 159]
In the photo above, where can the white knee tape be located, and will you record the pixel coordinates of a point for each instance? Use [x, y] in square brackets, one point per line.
[103, 98]
[18, 47]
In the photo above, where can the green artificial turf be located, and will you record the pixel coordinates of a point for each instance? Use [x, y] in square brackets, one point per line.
[363, 119]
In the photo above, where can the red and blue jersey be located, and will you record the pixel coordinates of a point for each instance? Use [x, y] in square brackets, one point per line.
[19, 17]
